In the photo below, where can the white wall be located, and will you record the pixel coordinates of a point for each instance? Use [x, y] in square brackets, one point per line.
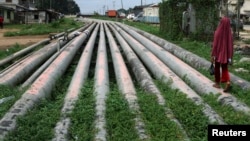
[151, 11]
[13, 1]
[245, 9]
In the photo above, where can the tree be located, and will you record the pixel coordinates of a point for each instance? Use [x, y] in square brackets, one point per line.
[62, 6]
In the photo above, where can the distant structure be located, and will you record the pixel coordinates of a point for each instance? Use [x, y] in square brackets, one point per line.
[25, 12]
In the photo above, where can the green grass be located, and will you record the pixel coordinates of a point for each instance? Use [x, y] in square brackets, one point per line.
[189, 114]
[247, 41]
[7, 91]
[157, 124]
[202, 49]
[83, 115]
[120, 120]
[38, 124]
[41, 29]
[11, 50]
[229, 115]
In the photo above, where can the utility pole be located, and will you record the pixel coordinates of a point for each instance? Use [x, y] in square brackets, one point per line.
[122, 4]
[104, 10]
[238, 19]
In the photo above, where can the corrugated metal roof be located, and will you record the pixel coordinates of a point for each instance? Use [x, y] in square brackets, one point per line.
[5, 7]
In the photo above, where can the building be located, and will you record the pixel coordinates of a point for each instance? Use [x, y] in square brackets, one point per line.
[245, 10]
[18, 5]
[7, 13]
[139, 9]
[151, 14]
[24, 11]
[231, 7]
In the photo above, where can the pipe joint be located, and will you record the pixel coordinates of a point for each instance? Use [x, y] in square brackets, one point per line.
[86, 32]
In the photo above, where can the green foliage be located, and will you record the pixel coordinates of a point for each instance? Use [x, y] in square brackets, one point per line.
[199, 48]
[186, 111]
[171, 18]
[204, 50]
[44, 116]
[229, 115]
[40, 29]
[247, 41]
[55, 24]
[171, 12]
[83, 115]
[154, 116]
[120, 119]
[62, 6]
[38, 123]
[8, 91]
[9, 51]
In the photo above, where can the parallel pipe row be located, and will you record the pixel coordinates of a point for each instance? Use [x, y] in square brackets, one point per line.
[144, 57]
[201, 84]
[101, 87]
[17, 73]
[72, 95]
[143, 77]
[192, 59]
[29, 49]
[162, 72]
[125, 84]
[43, 85]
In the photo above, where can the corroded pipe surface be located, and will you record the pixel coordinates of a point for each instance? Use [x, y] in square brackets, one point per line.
[125, 84]
[77, 82]
[42, 87]
[192, 59]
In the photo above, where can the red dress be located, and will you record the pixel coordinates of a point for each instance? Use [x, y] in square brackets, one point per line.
[1, 21]
[222, 50]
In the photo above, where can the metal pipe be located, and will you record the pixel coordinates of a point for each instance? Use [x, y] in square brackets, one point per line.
[144, 78]
[201, 84]
[78, 80]
[101, 86]
[19, 72]
[12, 66]
[189, 57]
[22, 52]
[162, 72]
[125, 84]
[34, 75]
[157, 67]
[141, 73]
[42, 87]
[27, 49]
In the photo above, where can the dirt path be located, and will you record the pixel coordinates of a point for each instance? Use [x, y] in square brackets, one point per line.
[6, 42]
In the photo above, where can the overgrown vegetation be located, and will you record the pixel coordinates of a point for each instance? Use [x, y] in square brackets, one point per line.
[11, 50]
[12, 94]
[120, 123]
[154, 115]
[83, 115]
[39, 123]
[171, 13]
[41, 29]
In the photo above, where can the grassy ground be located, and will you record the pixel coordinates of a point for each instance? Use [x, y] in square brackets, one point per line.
[40, 29]
[38, 124]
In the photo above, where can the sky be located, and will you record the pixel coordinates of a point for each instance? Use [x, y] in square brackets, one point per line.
[89, 6]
